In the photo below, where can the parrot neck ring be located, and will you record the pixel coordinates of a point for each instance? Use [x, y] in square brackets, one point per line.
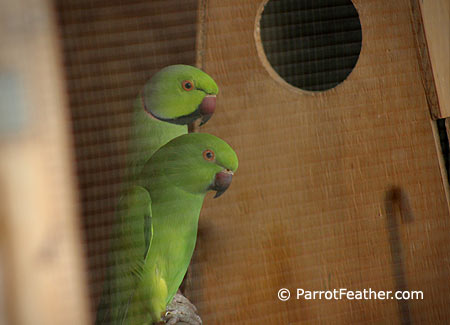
[149, 112]
[204, 111]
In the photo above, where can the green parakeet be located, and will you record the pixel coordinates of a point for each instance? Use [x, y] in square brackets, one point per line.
[174, 97]
[155, 238]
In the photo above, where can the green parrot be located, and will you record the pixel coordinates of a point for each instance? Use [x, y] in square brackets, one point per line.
[155, 238]
[174, 97]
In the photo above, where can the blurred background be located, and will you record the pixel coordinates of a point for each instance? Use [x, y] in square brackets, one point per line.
[336, 108]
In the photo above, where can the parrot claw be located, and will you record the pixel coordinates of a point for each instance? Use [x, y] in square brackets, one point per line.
[181, 311]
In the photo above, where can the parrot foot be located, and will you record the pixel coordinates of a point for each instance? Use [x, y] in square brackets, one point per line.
[181, 312]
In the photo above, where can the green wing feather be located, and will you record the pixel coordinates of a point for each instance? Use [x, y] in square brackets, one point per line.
[130, 242]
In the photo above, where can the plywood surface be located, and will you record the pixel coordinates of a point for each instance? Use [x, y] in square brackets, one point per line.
[308, 207]
[436, 25]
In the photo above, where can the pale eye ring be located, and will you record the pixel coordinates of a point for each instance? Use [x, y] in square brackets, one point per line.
[187, 85]
[208, 155]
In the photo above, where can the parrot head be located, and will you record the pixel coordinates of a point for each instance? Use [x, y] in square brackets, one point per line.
[180, 94]
[196, 163]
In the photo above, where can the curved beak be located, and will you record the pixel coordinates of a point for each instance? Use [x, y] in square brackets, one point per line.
[207, 108]
[222, 181]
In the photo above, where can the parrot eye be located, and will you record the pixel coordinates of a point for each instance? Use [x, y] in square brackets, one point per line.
[208, 155]
[187, 85]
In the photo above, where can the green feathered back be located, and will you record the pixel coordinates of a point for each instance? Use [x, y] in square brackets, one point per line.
[148, 135]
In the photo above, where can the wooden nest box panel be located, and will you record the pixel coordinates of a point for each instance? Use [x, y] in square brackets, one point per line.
[336, 189]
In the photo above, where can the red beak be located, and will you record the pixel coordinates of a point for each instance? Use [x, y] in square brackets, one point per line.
[207, 108]
[222, 181]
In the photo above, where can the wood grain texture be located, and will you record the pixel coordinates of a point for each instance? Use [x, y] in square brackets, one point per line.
[40, 250]
[436, 25]
[307, 206]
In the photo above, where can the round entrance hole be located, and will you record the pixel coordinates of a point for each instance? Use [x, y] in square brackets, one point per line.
[311, 44]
